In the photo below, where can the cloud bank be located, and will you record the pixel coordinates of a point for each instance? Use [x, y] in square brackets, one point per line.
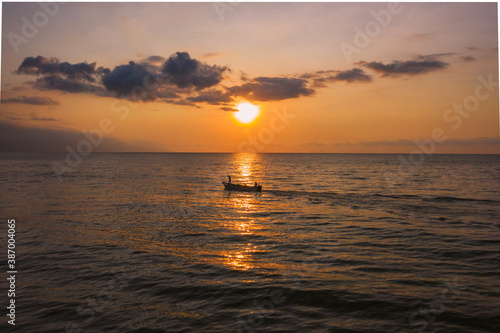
[411, 67]
[272, 89]
[183, 80]
[30, 100]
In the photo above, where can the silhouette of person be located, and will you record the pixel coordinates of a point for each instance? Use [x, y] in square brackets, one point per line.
[229, 177]
[256, 184]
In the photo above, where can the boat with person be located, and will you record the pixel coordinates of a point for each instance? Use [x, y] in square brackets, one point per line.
[228, 186]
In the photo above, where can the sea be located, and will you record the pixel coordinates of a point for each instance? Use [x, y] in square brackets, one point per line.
[151, 242]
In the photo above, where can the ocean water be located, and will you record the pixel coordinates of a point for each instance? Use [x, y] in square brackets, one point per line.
[152, 243]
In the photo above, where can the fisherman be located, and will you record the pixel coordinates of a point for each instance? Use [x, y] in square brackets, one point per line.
[229, 177]
[256, 185]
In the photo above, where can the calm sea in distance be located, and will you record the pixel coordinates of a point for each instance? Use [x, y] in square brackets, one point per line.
[333, 243]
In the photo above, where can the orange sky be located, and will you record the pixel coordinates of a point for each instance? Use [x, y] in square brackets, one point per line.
[327, 77]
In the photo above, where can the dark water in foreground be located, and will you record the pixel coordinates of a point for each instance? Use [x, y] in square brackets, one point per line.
[151, 243]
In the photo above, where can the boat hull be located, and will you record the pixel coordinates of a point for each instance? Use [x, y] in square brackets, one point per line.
[243, 188]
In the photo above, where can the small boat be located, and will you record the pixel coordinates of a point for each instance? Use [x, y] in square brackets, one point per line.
[238, 187]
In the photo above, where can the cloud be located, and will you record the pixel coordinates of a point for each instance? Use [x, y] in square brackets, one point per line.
[228, 109]
[211, 55]
[434, 56]
[180, 102]
[178, 74]
[243, 76]
[467, 58]
[34, 116]
[186, 72]
[421, 36]
[320, 78]
[132, 78]
[411, 67]
[31, 100]
[183, 80]
[40, 65]
[178, 79]
[55, 75]
[55, 82]
[214, 97]
[449, 142]
[353, 75]
[474, 141]
[272, 89]
[154, 60]
[10, 115]
[17, 138]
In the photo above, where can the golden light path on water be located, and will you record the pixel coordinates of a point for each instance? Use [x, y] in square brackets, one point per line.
[242, 259]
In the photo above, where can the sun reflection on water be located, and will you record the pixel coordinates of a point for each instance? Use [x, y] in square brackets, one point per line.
[243, 206]
[241, 260]
[245, 165]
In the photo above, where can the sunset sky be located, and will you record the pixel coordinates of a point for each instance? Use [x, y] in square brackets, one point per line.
[321, 77]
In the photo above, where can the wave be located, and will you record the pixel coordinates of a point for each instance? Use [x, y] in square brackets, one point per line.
[314, 197]
[453, 199]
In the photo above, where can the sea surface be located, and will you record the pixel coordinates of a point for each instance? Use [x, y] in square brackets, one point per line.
[333, 243]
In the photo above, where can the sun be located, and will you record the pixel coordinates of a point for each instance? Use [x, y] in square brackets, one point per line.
[247, 112]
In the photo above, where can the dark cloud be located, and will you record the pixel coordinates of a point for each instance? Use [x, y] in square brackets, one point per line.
[272, 89]
[434, 56]
[353, 75]
[55, 82]
[214, 97]
[412, 67]
[228, 109]
[180, 102]
[182, 80]
[178, 74]
[320, 78]
[63, 76]
[16, 138]
[132, 78]
[34, 116]
[178, 79]
[186, 72]
[40, 65]
[243, 76]
[167, 93]
[31, 100]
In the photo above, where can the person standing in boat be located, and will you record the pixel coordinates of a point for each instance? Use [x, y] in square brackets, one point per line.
[256, 185]
[229, 177]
